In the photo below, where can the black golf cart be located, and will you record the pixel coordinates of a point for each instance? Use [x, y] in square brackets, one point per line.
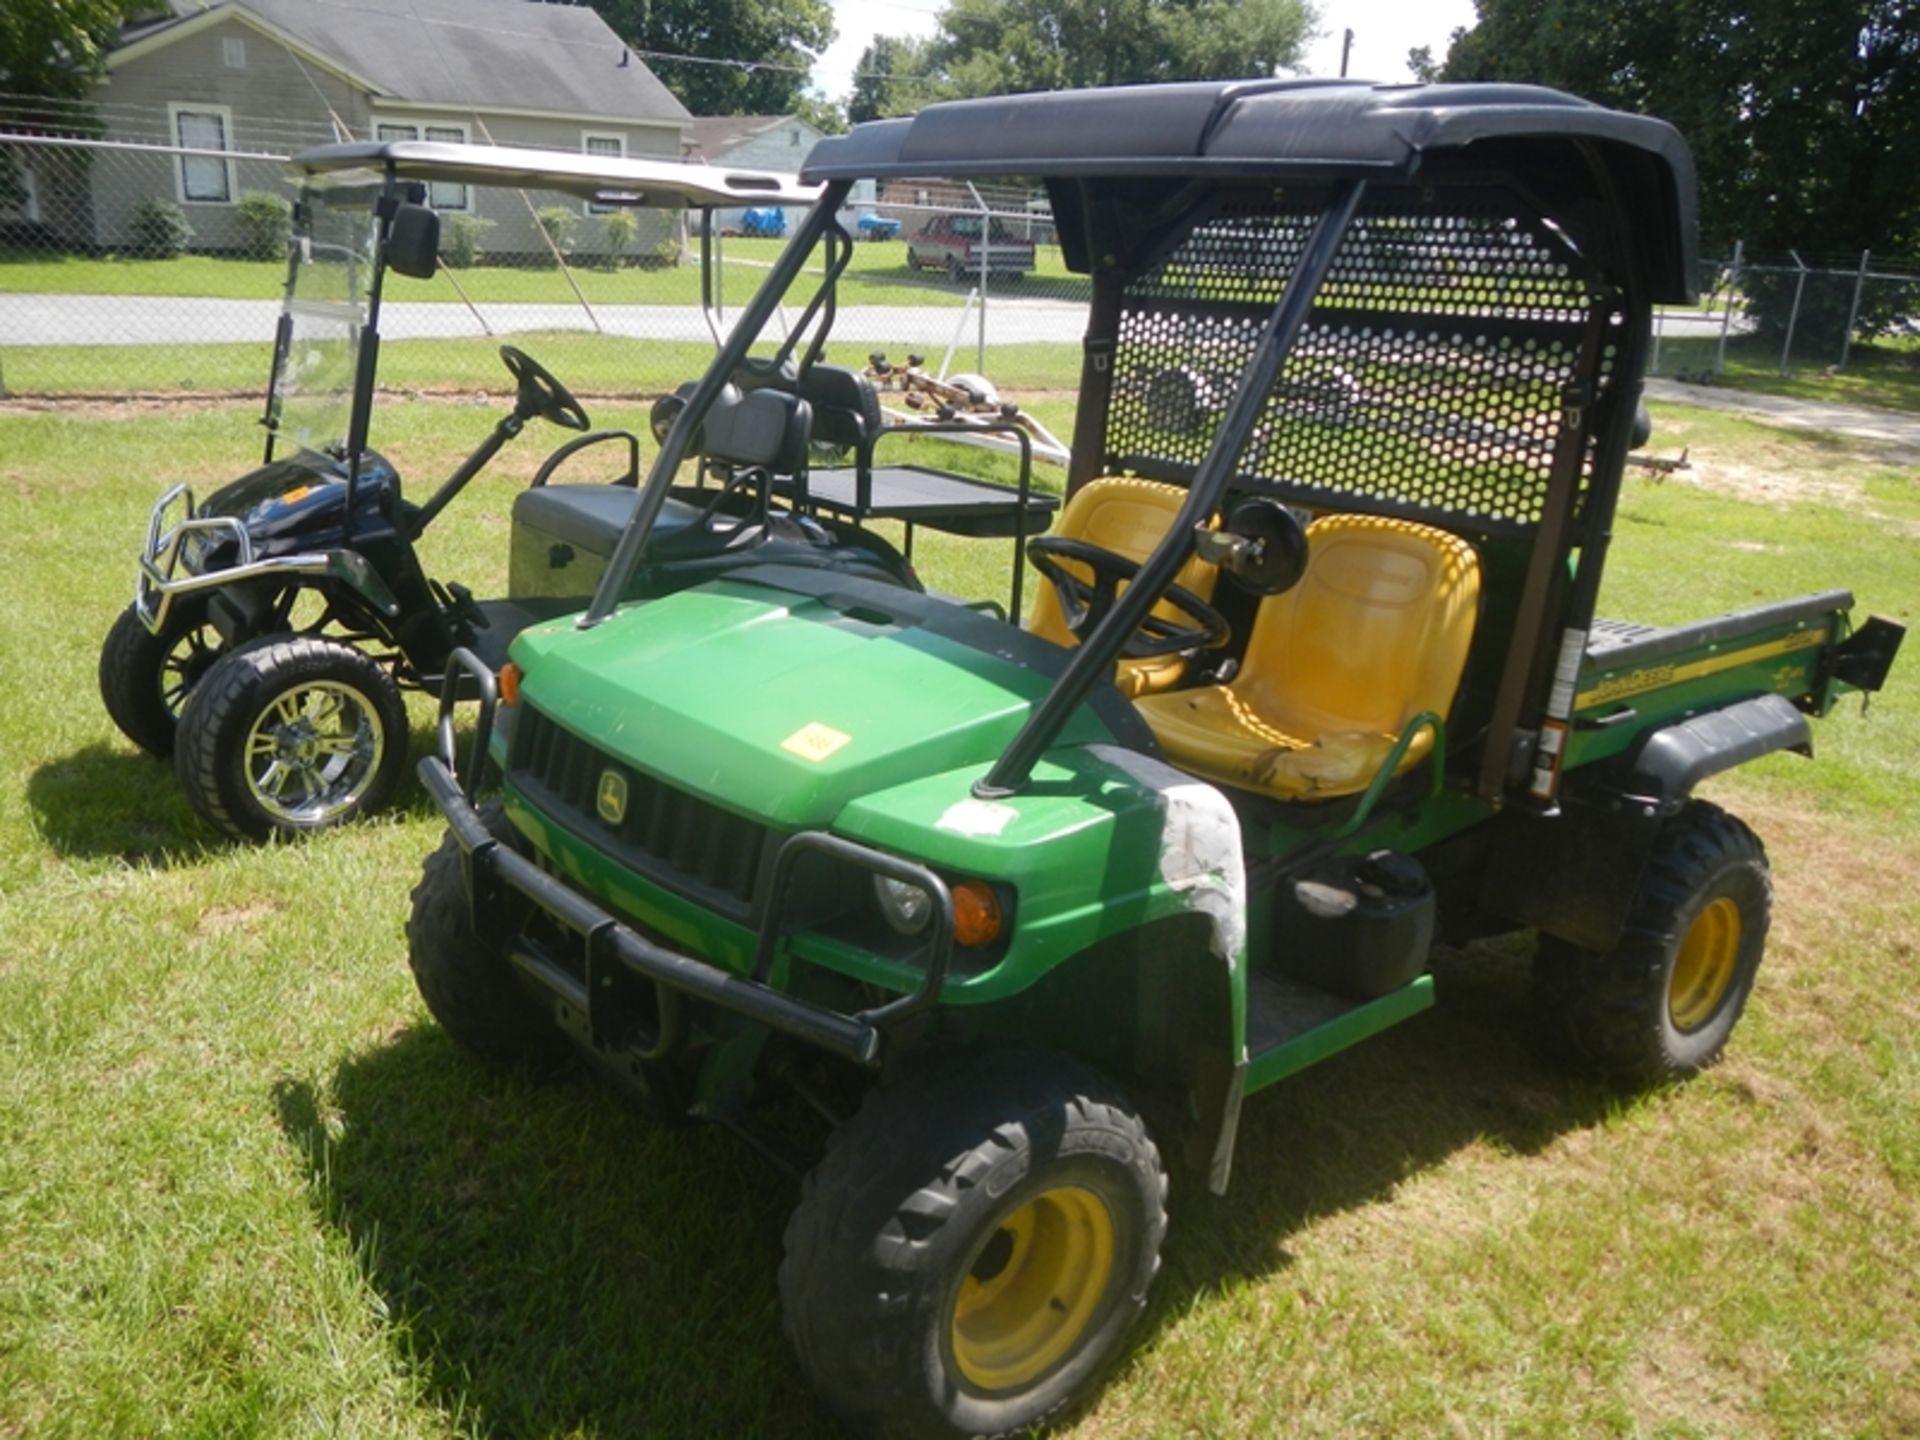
[275, 623]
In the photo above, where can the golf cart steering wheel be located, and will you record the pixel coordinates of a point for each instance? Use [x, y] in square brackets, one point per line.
[1085, 603]
[541, 394]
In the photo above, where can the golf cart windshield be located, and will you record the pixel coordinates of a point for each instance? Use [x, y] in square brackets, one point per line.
[317, 354]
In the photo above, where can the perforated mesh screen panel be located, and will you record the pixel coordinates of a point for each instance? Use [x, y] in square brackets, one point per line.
[1430, 381]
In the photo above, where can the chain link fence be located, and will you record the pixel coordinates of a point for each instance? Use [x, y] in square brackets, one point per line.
[144, 267]
[138, 268]
[1783, 315]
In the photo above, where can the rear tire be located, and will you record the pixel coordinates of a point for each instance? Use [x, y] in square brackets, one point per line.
[466, 979]
[1662, 1003]
[145, 678]
[291, 736]
[968, 1256]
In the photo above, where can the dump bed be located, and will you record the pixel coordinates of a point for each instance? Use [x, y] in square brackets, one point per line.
[1635, 677]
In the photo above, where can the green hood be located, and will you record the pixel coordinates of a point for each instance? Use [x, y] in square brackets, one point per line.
[775, 705]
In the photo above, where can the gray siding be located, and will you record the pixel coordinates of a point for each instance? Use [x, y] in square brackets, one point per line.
[781, 148]
[275, 105]
[278, 105]
[511, 231]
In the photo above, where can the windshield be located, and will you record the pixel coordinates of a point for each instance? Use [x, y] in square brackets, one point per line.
[968, 227]
[311, 400]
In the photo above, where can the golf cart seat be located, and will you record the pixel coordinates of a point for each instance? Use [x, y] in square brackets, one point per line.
[1129, 517]
[765, 429]
[754, 428]
[848, 416]
[846, 408]
[589, 517]
[1376, 633]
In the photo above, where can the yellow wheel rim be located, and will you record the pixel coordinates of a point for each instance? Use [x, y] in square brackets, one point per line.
[1032, 1288]
[1703, 970]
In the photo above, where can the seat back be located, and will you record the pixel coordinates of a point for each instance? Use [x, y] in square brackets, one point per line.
[1129, 517]
[1376, 632]
[767, 428]
[846, 407]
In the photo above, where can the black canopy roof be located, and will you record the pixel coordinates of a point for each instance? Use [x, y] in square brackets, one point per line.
[1574, 155]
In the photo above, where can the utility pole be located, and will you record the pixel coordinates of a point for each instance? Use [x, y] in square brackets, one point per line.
[1346, 49]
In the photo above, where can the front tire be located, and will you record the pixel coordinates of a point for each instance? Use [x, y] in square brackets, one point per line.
[1663, 1002]
[970, 1253]
[466, 979]
[145, 678]
[291, 736]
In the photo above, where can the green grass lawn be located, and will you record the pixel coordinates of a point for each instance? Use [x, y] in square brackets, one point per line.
[1885, 374]
[248, 1188]
[588, 363]
[878, 274]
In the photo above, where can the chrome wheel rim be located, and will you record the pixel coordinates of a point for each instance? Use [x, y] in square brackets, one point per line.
[312, 753]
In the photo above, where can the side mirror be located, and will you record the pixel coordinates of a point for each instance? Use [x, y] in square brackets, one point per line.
[1642, 428]
[666, 410]
[413, 241]
[1263, 546]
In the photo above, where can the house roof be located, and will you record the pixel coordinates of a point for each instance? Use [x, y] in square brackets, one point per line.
[715, 135]
[501, 55]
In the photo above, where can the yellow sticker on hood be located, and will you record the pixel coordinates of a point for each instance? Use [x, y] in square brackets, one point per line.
[815, 741]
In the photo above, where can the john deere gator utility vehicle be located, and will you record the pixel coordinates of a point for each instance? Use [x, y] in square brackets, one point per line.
[284, 717]
[1032, 913]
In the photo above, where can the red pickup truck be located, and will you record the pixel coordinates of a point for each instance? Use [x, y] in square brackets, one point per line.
[952, 243]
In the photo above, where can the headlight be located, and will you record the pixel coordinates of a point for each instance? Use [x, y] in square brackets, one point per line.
[977, 917]
[193, 551]
[907, 908]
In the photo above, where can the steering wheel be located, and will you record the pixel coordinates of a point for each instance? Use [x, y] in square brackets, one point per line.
[541, 394]
[1085, 603]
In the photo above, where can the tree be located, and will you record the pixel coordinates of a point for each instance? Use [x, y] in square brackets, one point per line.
[1421, 63]
[1803, 115]
[55, 49]
[890, 78]
[997, 47]
[821, 113]
[765, 49]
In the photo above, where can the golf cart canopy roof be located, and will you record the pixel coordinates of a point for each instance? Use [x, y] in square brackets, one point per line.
[607, 179]
[1568, 151]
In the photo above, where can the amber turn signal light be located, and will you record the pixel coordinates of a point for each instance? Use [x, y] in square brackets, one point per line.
[976, 913]
[510, 683]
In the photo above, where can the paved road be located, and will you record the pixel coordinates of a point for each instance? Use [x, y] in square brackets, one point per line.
[184, 320]
[179, 320]
[1896, 429]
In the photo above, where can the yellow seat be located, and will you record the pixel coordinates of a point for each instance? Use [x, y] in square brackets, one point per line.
[1129, 517]
[1375, 633]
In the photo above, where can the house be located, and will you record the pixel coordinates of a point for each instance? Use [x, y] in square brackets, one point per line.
[248, 75]
[758, 142]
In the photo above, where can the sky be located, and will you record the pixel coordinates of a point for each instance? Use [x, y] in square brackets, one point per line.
[1383, 32]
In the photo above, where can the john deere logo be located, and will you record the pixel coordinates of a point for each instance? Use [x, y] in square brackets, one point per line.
[611, 798]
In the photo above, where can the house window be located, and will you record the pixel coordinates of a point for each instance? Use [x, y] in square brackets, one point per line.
[233, 50]
[24, 203]
[440, 194]
[793, 137]
[609, 146]
[203, 179]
